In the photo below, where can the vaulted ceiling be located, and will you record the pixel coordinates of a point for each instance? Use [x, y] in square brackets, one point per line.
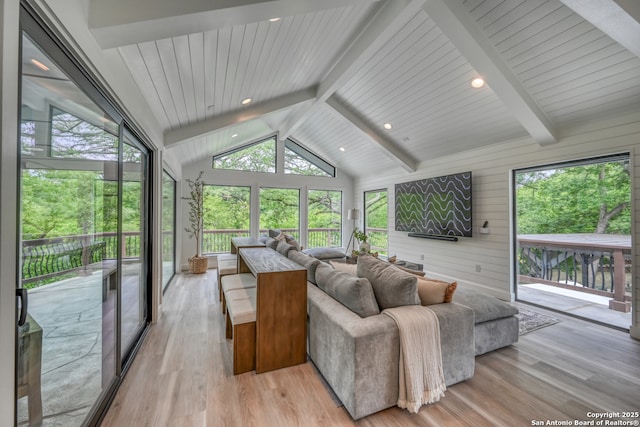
[331, 73]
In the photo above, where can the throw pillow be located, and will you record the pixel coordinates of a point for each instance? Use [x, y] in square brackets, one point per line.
[292, 241]
[391, 286]
[308, 262]
[409, 270]
[273, 233]
[351, 269]
[435, 291]
[355, 293]
[325, 253]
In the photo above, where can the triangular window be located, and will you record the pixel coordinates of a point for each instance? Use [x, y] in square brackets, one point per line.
[300, 161]
[259, 156]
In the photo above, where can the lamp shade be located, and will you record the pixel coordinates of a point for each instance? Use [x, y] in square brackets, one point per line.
[353, 214]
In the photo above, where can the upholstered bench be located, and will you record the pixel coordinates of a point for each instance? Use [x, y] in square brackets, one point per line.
[241, 327]
[232, 282]
[227, 264]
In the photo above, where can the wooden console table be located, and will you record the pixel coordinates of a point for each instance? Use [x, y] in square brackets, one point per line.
[281, 307]
[245, 242]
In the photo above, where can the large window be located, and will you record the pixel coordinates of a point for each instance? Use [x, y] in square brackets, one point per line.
[227, 214]
[280, 209]
[573, 224]
[257, 157]
[376, 220]
[325, 218]
[168, 228]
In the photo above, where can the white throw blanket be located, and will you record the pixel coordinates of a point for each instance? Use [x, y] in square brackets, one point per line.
[420, 371]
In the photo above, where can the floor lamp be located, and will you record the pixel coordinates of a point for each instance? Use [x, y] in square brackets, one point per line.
[352, 214]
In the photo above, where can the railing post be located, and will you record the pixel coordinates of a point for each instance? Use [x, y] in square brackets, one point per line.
[619, 278]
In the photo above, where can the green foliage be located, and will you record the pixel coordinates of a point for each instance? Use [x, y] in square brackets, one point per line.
[196, 209]
[227, 207]
[297, 165]
[376, 215]
[279, 208]
[359, 235]
[582, 199]
[259, 157]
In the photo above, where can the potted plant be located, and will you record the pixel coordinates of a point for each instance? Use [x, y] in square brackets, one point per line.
[197, 263]
[361, 237]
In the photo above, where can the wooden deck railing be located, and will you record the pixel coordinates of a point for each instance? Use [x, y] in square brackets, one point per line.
[47, 258]
[590, 263]
[51, 257]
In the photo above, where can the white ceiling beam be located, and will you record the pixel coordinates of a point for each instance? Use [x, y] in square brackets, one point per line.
[455, 22]
[618, 19]
[116, 23]
[394, 152]
[390, 17]
[204, 127]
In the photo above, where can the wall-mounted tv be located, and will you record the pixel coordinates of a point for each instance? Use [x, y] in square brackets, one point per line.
[435, 207]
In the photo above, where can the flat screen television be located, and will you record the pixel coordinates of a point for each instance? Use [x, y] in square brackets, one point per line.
[438, 206]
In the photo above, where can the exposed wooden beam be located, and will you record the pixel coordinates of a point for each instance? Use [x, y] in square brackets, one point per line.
[390, 17]
[388, 147]
[618, 19]
[186, 133]
[455, 22]
[117, 23]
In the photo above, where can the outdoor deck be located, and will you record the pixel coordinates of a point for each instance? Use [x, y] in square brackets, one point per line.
[597, 265]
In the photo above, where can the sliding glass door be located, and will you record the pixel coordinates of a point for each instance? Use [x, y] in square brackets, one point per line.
[133, 304]
[83, 236]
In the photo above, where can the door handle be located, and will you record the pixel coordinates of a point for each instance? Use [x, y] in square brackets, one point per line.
[22, 294]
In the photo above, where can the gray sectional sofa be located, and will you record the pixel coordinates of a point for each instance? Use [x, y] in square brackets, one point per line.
[357, 351]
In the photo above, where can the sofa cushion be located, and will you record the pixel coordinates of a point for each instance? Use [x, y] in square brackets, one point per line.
[392, 287]
[355, 293]
[271, 243]
[283, 248]
[325, 253]
[351, 269]
[485, 307]
[308, 262]
[435, 291]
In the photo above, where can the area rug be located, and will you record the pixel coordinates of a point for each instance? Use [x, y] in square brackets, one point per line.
[531, 320]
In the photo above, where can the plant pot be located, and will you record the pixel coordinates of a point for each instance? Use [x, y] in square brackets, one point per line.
[198, 265]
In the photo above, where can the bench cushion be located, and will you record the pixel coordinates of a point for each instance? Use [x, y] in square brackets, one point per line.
[237, 281]
[241, 310]
[485, 307]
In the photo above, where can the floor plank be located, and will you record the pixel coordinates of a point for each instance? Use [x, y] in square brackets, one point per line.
[182, 376]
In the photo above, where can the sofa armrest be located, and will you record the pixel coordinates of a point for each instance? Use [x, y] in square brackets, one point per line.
[357, 356]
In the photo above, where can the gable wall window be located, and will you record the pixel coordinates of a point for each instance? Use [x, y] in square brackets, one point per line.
[283, 199]
[259, 156]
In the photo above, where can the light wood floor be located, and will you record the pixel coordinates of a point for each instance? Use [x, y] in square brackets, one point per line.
[182, 377]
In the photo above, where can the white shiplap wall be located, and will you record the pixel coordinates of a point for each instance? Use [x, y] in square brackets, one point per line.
[491, 167]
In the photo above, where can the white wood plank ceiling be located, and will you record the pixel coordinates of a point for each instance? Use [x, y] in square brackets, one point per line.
[330, 74]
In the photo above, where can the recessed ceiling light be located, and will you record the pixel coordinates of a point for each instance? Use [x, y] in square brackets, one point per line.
[387, 126]
[477, 82]
[246, 101]
[274, 19]
[234, 135]
[342, 149]
[39, 65]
